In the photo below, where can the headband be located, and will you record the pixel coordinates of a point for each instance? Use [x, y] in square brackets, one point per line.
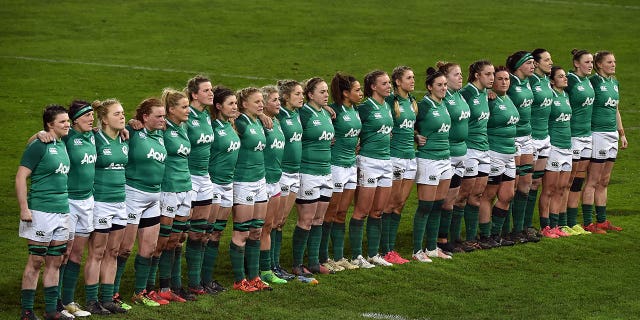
[81, 112]
[522, 60]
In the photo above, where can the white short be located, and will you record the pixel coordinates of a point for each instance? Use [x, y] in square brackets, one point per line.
[344, 178]
[605, 145]
[174, 204]
[249, 192]
[502, 163]
[404, 168]
[524, 145]
[223, 195]
[289, 182]
[81, 217]
[141, 204]
[312, 187]
[273, 189]
[45, 227]
[432, 171]
[202, 186]
[581, 147]
[374, 172]
[457, 165]
[476, 161]
[541, 148]
[106, 214]
[559, 160]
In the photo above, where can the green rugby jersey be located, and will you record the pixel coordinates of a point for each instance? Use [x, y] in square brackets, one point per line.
[177, 177]
[250, 164]
[292, 128]
[377, 124]
[542, 99]
[49, 164]
[347, 126]
[200, 135]
[317, 133]
[147, 154]
[501, 127]
[433, 122]
[81, 148]
[274, 152]
[402, 133]
[459, 112]
[560, 121]
[605, 105]
[224, 152]
[113, 156]
[479, 108]
[581, 95]
[522, 97]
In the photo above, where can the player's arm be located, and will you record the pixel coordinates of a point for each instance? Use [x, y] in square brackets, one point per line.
[21, 192]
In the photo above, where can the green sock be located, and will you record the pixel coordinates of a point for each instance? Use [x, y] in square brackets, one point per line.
[471, 221]
[506, 225]
[324, 242]
[272, 258]
[355, 236]
[61, 276]
[176, 268]
[420, 223]
[456, 224]
[50, 299]
[153, 272]
[193, 255]
[531, 205]
[106, 293]
[572, 216]
[484, 229]
[237, 261]
[553, 220]
[445, 223]
[28, 299]
[374, 226]
[209, 261]
[252, 257]
[276, 248]
[519, 207]
[265, 260]
[91, 292]
[142, 267]
[300, 237]
[544, 222]
[122, 264]
[497, 220]
[601, 214]
[394, 223]
[587, 214]
[313, 245]
[384, 233]
[69, 282]
[562, 219]
[337, 239]
[433, 225]
[164, 268]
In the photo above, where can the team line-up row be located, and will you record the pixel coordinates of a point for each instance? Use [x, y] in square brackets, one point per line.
[192, 160]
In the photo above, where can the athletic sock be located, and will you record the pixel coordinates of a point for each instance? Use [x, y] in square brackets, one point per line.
[471, 221]
[531, 205]
[61, 277]
[141, 266]
[394, 223]
[209, 261]
[587, 214]
[265, 260]
[272, 258]
[91, 292]
[252, 258]
[106, 293]
[355, 236]
[374, 226]
[506, 225]
[520, 201]
[385, 224]
[484, 229]
[50, 299]
[445, 223]
[122, 264]
[572, 216]
[497, 220]
[237, 261]
[562, 219]
[433, 225]
[164, 268]
[456, 223]
[153, 272]
[28, 299]
[337, 239]
[69, 282]
[193, 255]
[553, 220]
[601, 214]
[300, 237]
[544, 222]
[313, 245]
[276, 247]
[420, 223]
[323, 253]
[176, 268]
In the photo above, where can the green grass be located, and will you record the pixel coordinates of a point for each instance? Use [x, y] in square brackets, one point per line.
[52, 52]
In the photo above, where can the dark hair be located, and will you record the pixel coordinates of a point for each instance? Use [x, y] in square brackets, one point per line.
[537, 54]
[476, 67]
[50, 113]
[310, 85]
[432, 75]
[220, 94]
[370, 79]
[445, 67]
[501, 68]
[76, 105]
[193, 85]
[340, 83]
[285, 87]
[578, 53]
[598, 57]
[554, 70]
[144, 108]
[513, 59]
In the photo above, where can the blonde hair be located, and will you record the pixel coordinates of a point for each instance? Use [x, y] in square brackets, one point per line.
[171, 98]
[101, 108]
[397, 74]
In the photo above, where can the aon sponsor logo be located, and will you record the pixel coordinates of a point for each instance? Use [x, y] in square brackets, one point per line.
[407, 123]
[88, 158]
[260, 146]
[513, 120]
[546, 102]
[205, 138]
[62, 169]
[233, 146]
[277, 144]
[352, 133]
[444, 127]
[326, 136]
[526, 103]
[158, 156]
[464, 115]
[588, 101]
[483, 116]
[611, 103]
[385, 130]
[184, 150]
[297, 136]
[563, 117]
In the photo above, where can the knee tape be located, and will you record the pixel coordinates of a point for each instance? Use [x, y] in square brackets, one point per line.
[219, 225]
[576, 186]
[56, 251]
[37, 250]
[242, 226]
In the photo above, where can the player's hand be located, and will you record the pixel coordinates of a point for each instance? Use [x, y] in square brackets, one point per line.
[136, 124]
[420, 140]
[25, 215]
[45, 137]
[623, 142]
[266, 121]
